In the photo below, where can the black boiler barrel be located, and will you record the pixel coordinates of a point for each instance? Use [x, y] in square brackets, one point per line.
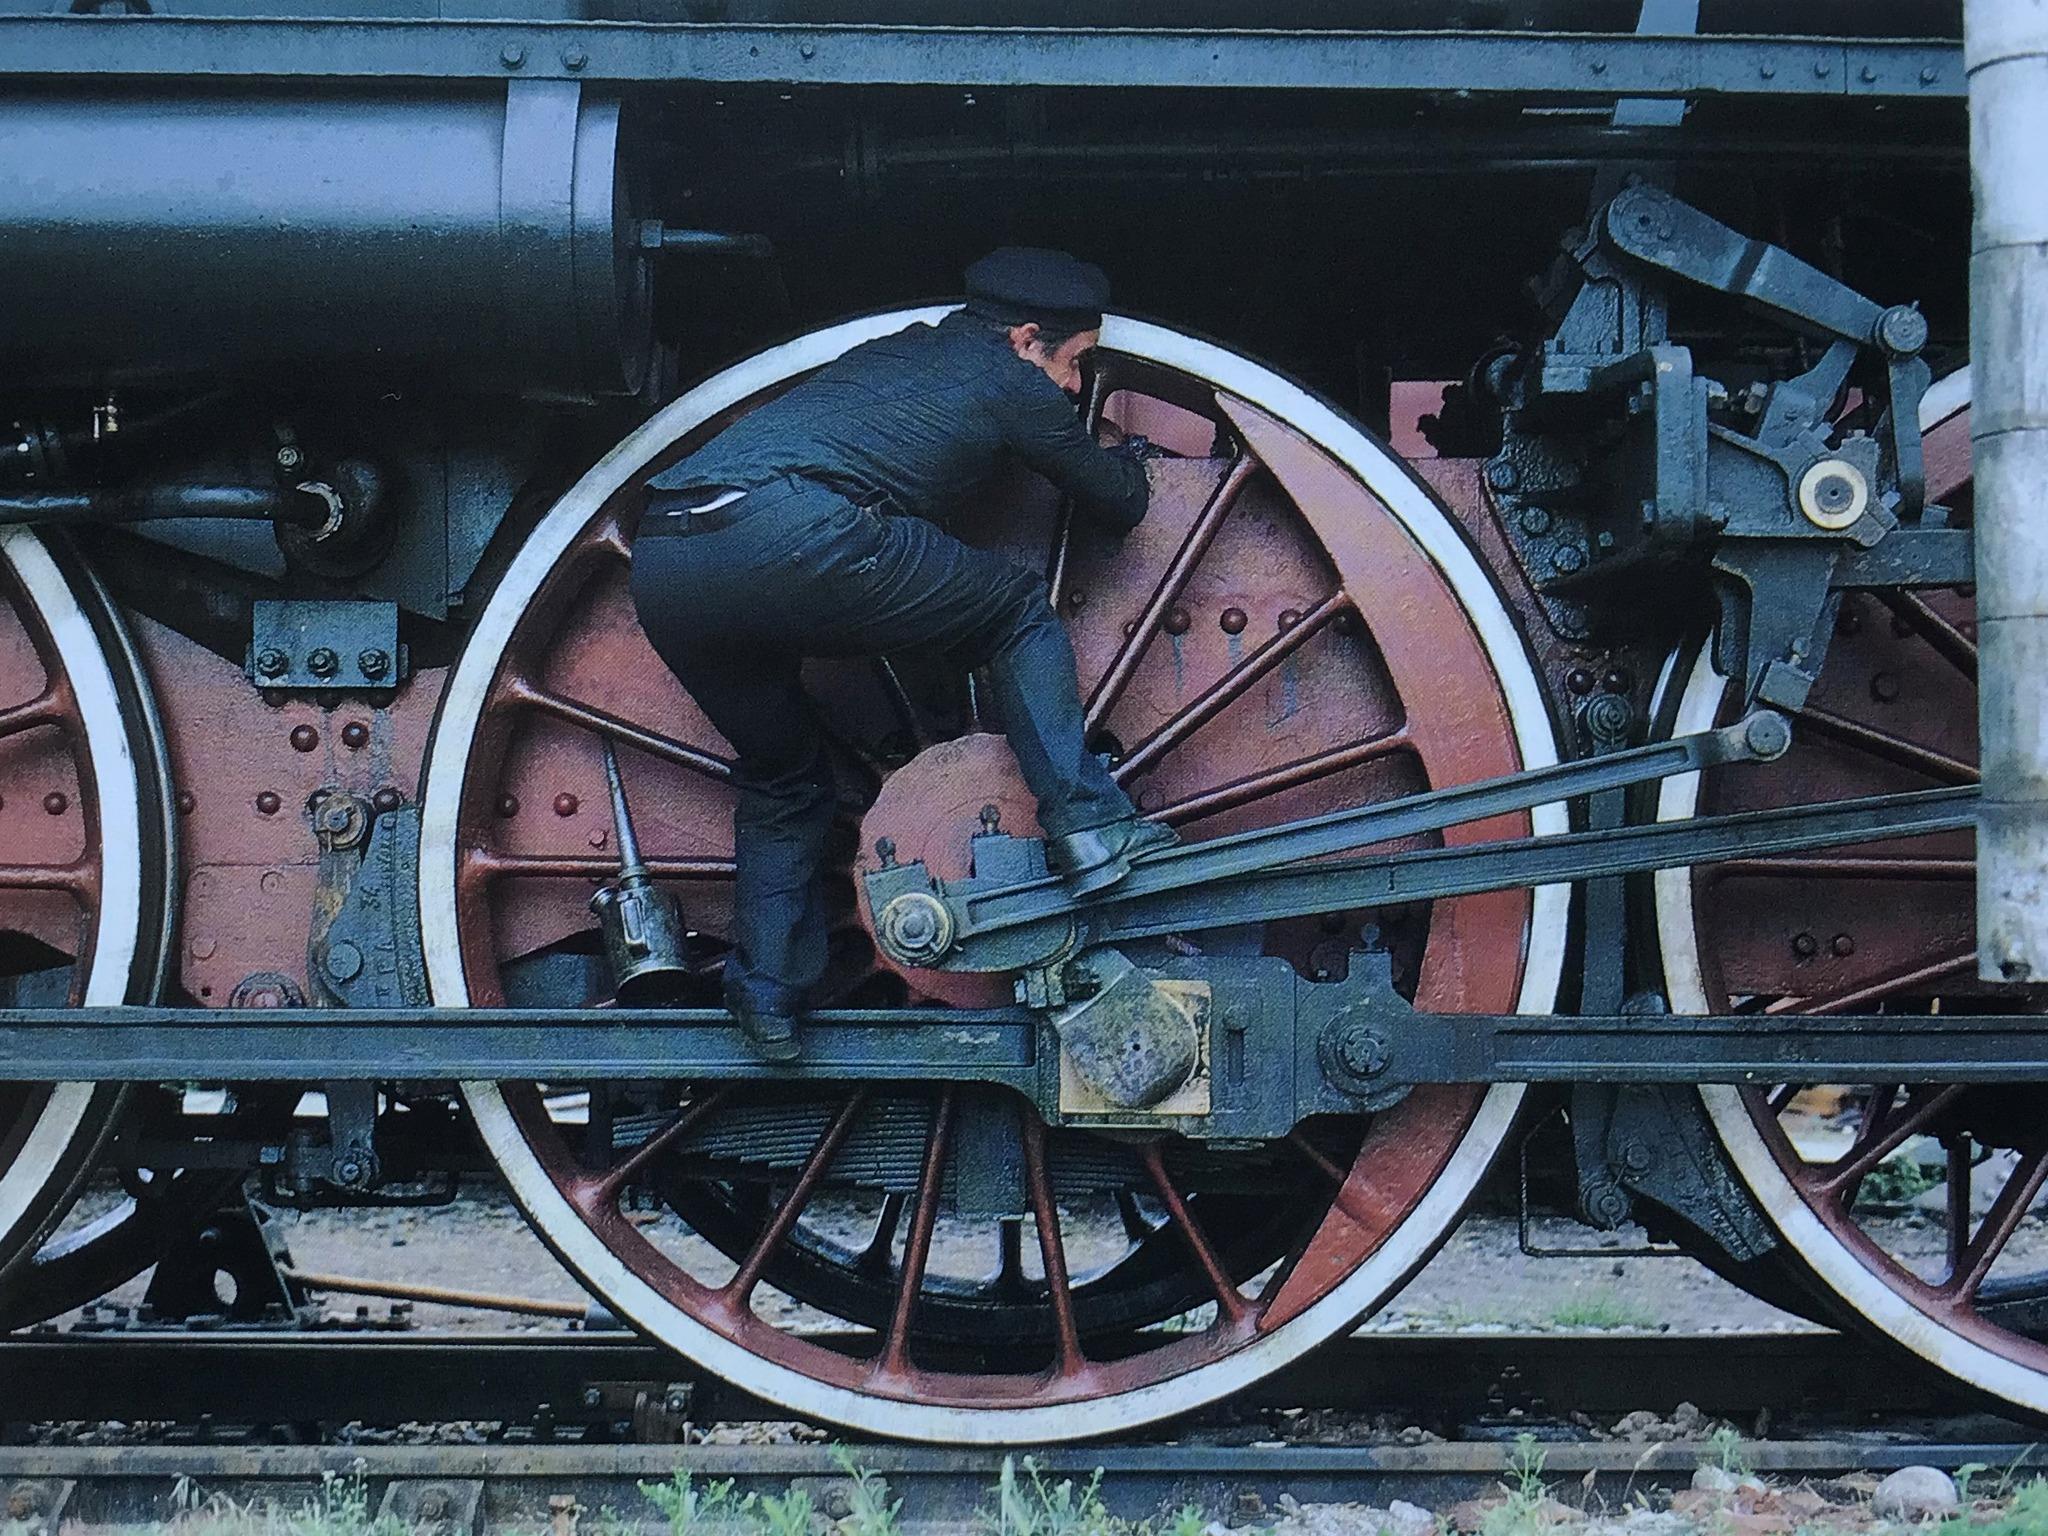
[334, 238]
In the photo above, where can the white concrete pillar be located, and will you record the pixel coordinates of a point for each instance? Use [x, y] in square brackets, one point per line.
[2006, 49]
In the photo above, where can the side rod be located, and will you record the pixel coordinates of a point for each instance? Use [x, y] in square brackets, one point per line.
[1432, 873]
[1760, 737]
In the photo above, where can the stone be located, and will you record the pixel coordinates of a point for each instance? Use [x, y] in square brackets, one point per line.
[1405, 1519]
[1914, 1493]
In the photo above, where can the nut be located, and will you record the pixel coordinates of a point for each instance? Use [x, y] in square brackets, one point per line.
[321, 661]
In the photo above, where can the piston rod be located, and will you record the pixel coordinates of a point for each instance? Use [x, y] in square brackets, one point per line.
[2006, 47]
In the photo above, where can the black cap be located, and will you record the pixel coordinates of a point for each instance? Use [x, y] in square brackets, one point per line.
[1020, 283]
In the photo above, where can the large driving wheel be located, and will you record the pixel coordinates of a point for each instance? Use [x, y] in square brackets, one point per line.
[82, 861]
[1956, 1273]
[1296, 626]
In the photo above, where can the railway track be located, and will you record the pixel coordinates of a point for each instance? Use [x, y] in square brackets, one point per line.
[597, 1385]
[483, 1489]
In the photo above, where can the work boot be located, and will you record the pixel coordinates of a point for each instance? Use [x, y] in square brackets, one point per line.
[770, 1027]
[1095, 858]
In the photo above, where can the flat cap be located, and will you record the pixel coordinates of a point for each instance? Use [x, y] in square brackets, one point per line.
[1020, 283]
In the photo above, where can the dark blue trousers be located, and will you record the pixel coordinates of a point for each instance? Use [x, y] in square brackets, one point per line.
[796, 570]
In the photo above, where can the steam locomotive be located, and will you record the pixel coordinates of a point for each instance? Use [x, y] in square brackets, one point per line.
[1554, 636]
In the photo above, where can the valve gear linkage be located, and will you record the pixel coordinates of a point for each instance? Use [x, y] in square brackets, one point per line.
[1012, 915]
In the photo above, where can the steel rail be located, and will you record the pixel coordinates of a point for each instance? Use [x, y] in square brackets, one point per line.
[585, 1377]
[1602, 66]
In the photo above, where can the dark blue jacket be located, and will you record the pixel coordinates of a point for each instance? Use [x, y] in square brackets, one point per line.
[921, 417]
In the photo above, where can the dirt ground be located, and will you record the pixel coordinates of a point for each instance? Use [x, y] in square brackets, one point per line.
[1480, 1281]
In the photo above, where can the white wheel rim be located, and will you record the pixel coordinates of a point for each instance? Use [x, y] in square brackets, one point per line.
[1376, 1278]
[116, 787]
[1831, 1261]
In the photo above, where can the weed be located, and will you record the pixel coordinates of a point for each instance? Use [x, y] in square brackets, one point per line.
[789, 1515]
[1729, 1454]
[713, 1509]
[2025, 1515]
[1031, 1505]
[1524, 1512]
[872, 1511]
[1188, 1520]
[1897, 1180]
[1601, 1309]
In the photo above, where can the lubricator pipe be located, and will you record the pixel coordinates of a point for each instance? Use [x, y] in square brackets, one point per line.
[330, 237]
[2006, 51]
[303, 507]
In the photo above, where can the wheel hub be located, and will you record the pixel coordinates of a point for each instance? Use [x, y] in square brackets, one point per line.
[929, 810]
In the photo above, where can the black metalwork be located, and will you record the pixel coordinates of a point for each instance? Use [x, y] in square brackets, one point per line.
[1554, 64]
[323, 645]
[1621, 464]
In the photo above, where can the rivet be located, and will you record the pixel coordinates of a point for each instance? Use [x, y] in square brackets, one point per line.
[387, 799]
[1535, 521]
[1869, 74]
[1233, 621]
[1884, 687]
[202, 949]
[1177, 621]
[56, 802]
[1617, 681]
[511, 55]
[355, 735]
[269, 802]
[274, 697]
[809, 50]
[1805, 945]
[187, 802]
[1843, 945]
[1848, 620]
[1820, 69]
[272, 880]
[1929, 75]
[508, 805]
[574, 58]
[597, 838]
[1599, 66]
[1579, 680]
[566, 804]
[1768, 71]
[1289, 617]
[1130, 628]
[304, 738]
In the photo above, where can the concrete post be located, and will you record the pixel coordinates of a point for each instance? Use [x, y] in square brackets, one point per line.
[2006, 49]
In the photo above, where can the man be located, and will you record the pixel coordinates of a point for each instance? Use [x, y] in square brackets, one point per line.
[802, 530]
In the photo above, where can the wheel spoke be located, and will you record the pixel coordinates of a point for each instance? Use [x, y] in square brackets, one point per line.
[1231, 686]
[607, 1189]
[74, 879]
[1307, 770]
[740, 1287]
[1838, 1179]
[876, 1257]
[1063, 519]
[1957, 1176]
[1938, 766]
[1052, 1250]
[522, 691]
[1948, 642]
[917, 1246]
[1230, 1306]
[2000, 1222]
[1193, 546]
[46, 708]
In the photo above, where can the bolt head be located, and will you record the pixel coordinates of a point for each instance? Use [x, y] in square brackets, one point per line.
[373, 663]
[322, 661]
[271, 662]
